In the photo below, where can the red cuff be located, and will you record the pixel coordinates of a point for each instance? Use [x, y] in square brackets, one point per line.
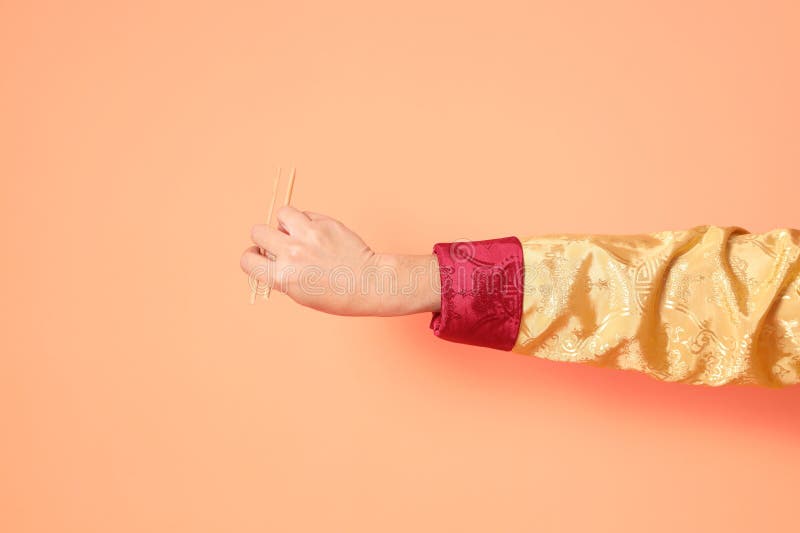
[482, 284]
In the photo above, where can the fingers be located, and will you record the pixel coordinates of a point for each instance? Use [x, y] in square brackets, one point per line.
[316, 216]
[251, 259]
[264, 271]
[269, 239]
[257, 267]
[294, 221]
[272, 260]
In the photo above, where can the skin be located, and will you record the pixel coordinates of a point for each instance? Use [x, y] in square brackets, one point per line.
[320, 263]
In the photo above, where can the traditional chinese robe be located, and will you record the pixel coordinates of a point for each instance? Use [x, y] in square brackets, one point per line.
[709, 305]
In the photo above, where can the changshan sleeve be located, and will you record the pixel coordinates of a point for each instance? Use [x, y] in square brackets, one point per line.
[710, 305]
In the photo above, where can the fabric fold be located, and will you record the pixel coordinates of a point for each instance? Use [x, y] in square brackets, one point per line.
[482, 284]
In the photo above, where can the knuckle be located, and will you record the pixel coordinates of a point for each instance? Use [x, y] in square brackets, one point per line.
[335, 225]
[325, 228]
[283, 211]
[294, 252]
[255, 232]
[315, 234]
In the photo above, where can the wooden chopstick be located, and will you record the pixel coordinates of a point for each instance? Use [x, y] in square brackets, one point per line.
[269, 218]
[286, 201]
[254, 290]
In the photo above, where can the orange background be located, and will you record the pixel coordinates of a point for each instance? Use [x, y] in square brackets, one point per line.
[138, 142]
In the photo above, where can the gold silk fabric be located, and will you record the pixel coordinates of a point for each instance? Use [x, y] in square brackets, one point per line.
[711, 305]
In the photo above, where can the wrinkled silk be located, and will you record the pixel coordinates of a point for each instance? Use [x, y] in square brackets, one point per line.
[481, 292]
[710, 305]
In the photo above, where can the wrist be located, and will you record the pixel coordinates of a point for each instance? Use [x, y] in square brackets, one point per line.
[414, 284]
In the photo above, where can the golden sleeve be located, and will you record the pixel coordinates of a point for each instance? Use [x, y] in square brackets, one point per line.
[710, 305]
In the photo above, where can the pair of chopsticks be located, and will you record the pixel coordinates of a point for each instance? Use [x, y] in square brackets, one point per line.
[286, 201]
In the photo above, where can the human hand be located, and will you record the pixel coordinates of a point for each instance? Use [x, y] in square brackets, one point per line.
[320, 263]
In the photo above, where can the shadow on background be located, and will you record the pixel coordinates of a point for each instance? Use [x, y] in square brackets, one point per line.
[622, 392]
